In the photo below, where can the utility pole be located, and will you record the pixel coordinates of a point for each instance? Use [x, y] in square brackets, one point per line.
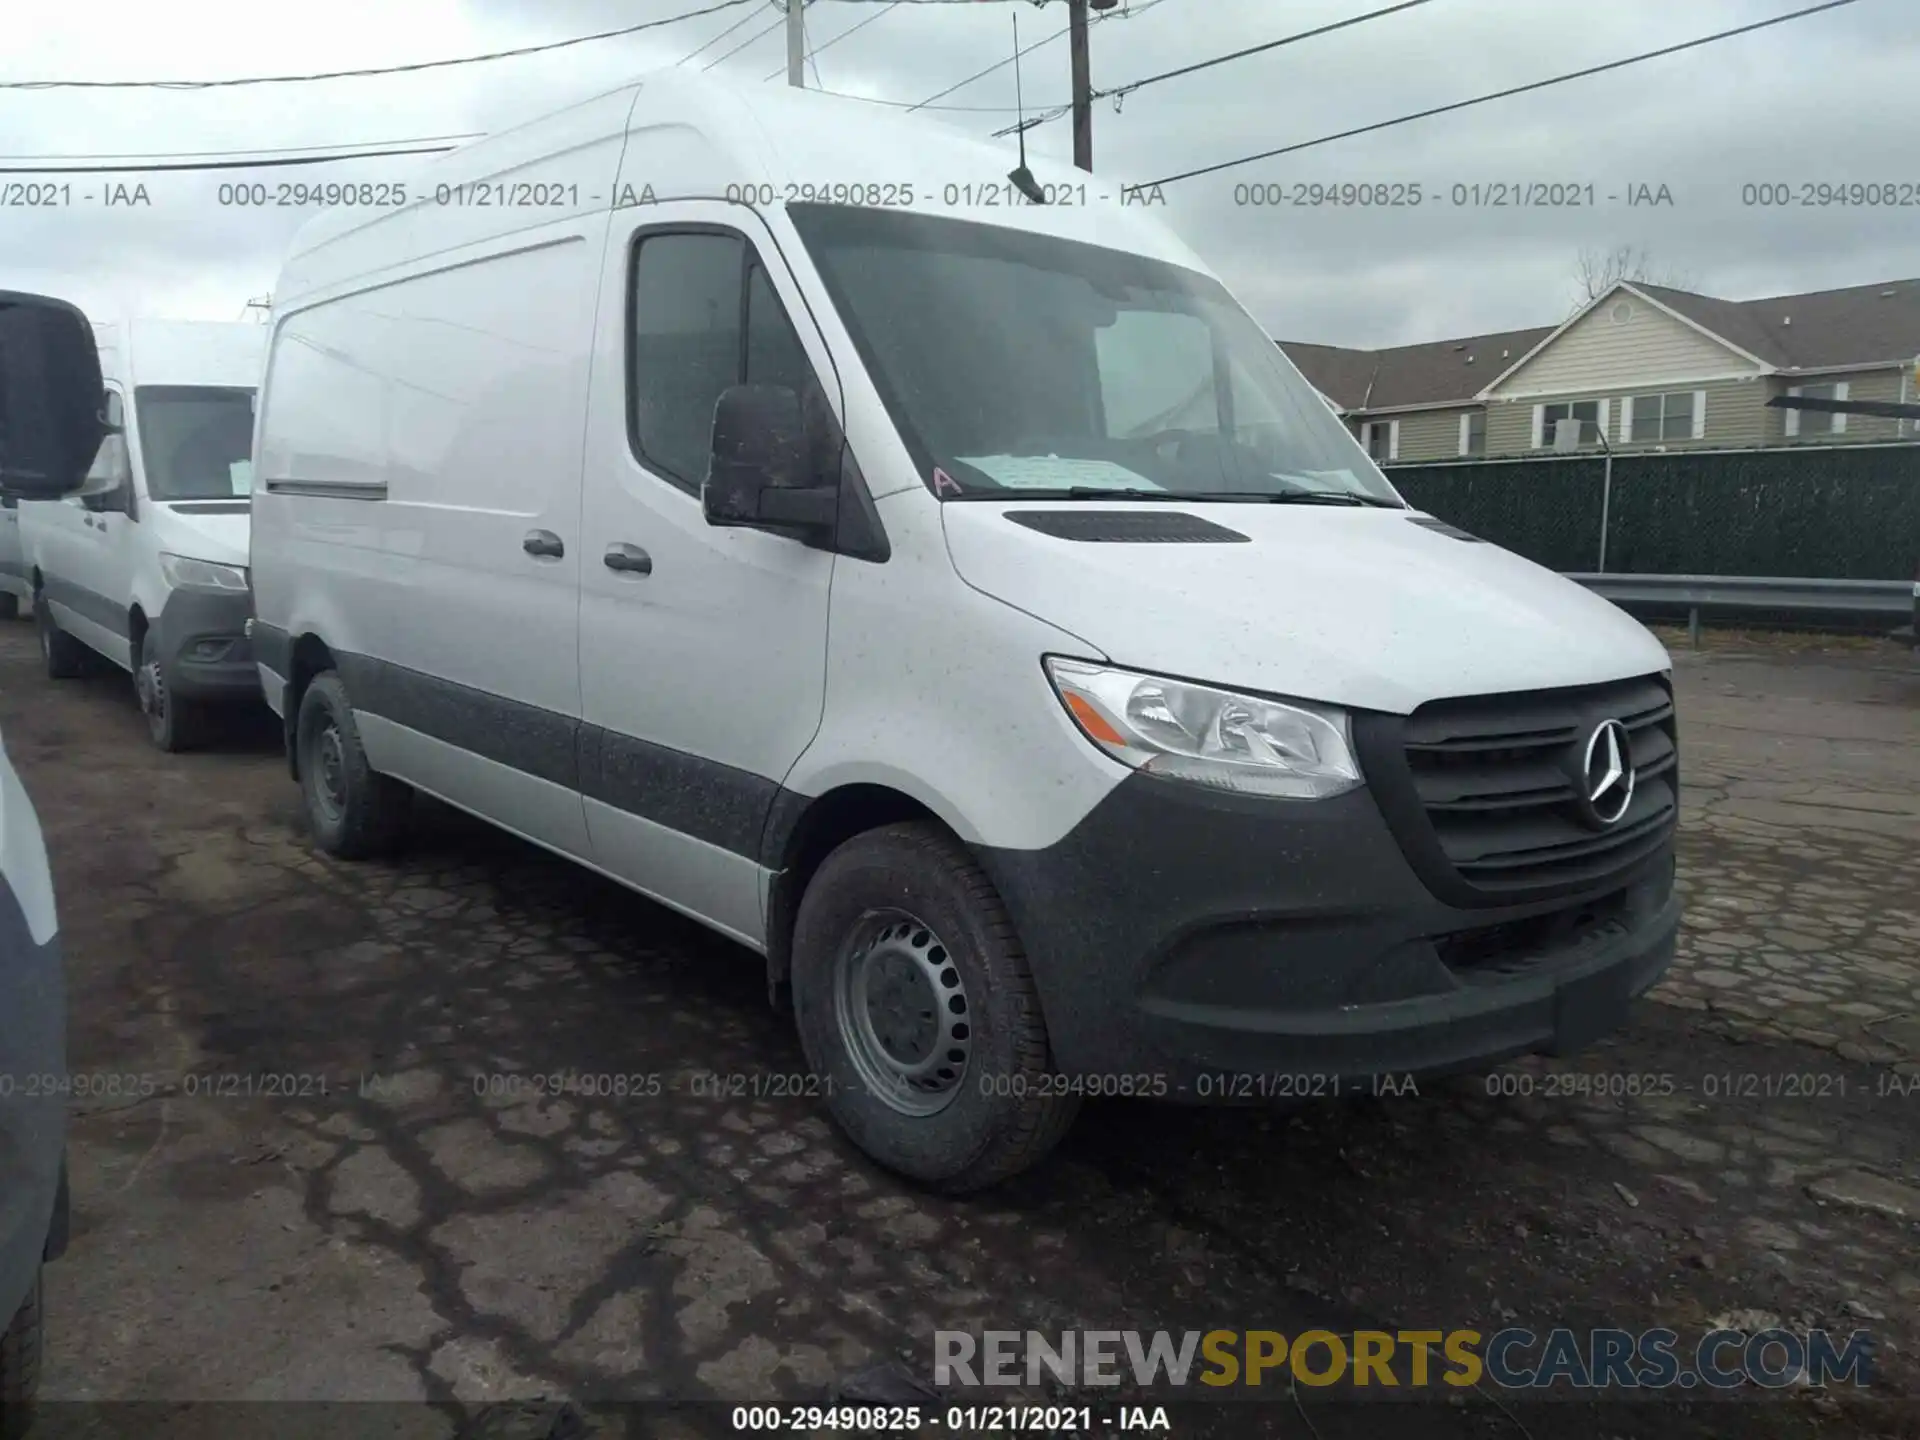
[797, 44]
[1082, 78]
[1082, 85]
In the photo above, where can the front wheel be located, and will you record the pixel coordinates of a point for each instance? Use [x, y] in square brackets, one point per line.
[353, 810]
[173, 724]
[66, 658]
[918, 1012]
[9, 605]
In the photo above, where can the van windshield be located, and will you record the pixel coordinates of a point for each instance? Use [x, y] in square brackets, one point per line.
[1020, 365]
[196, 441]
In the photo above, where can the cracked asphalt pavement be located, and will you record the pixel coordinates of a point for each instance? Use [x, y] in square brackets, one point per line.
[477, 1126]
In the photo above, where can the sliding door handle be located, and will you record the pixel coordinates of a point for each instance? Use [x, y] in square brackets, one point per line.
[630, 558]
[545, 543]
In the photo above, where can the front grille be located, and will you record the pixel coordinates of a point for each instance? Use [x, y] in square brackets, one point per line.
[1485, 794]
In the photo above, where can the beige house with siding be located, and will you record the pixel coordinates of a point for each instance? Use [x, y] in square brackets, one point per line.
[1648, 366]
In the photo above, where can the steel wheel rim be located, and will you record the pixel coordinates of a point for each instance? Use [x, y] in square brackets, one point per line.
[902, 1011]
[329, 773]
[153, 697]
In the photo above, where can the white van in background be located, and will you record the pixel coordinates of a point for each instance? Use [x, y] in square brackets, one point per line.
[960, 601]
[150, 571]
[16, 584]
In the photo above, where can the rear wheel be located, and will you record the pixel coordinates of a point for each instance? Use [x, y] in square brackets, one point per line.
[173, 724]
[354, 811]
[918, 1012]
[20, 1346]
[66, 658]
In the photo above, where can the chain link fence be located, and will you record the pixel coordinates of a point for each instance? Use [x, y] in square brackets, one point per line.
[1844, 513]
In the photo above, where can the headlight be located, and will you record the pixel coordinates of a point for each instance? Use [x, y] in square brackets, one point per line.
[1183, 731]
[202, 574]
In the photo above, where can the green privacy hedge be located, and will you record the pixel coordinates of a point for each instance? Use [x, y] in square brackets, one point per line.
[1834, 513]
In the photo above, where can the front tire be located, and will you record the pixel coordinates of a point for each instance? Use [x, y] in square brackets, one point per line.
[66, 658]
[173, 724]
[9, 605]
[354, 811]
[21, 1344]
[918, 1012]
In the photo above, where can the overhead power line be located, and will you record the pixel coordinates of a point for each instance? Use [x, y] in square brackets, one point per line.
[712, 9]
[779, 22]
[1122, 91]
[829, 44]
[695, 53]
[1500, 94]
[1028, 49]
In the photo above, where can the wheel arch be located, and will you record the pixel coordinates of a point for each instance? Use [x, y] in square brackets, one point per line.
[801, 832]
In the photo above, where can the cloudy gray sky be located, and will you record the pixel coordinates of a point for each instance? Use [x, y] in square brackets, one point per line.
[1827, 99]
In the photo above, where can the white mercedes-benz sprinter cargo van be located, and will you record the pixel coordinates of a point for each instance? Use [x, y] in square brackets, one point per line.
[959, 600]
[150, 569]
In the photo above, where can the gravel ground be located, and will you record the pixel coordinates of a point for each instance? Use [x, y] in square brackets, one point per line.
[393, 1225]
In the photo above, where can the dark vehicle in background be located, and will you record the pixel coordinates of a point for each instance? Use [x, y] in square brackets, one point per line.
[51, 425]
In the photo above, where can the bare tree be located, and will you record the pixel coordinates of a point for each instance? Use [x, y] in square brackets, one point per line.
[1598, 271]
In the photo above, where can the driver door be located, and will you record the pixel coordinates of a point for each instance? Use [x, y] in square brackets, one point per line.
[702, 649]
[84, 552]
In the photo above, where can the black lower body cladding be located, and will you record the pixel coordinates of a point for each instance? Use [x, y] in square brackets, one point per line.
[203, 647]
[1184, 934]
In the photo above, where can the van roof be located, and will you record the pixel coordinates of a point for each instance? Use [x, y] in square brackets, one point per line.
[675, 135]
[181, 352]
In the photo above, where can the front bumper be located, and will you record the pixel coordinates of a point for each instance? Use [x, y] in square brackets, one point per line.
[1187, 935]
[204, 651]
[33, 1108]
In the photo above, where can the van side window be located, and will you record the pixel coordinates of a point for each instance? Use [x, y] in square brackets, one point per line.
[774, 353]
[705, 316]
[686, 346]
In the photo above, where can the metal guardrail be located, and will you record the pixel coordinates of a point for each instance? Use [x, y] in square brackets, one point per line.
[1811, 596]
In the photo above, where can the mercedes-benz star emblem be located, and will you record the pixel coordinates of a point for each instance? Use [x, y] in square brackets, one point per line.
[1608, 771]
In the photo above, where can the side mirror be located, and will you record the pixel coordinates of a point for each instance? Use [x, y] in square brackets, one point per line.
[50, 397]
[760, 471]
[110, 482]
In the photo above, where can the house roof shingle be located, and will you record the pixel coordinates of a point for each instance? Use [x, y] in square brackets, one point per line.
[1860, 324]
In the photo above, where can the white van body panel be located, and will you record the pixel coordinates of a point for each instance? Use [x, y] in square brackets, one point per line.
[1337, 605]
[114, 558]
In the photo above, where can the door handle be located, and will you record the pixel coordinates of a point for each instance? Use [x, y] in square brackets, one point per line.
[630, 558]
[543, 542]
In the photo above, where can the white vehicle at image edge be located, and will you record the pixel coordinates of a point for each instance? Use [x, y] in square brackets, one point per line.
[50, 429]
[149, 570]
[958, 600]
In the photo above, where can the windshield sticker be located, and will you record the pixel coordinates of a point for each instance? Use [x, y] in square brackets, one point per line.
[943, 482]
[1053, 472]
[240, 476]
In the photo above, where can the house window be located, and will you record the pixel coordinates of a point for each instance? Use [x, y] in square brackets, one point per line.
[1817, 422]
[1381, 437]
[1587, 412]
[1662, 417]
[1476, 433]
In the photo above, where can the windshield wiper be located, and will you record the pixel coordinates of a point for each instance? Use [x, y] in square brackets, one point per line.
[1329, 497]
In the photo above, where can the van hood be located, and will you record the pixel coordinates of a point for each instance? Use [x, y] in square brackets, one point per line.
[205, 535]
[1364, 608]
